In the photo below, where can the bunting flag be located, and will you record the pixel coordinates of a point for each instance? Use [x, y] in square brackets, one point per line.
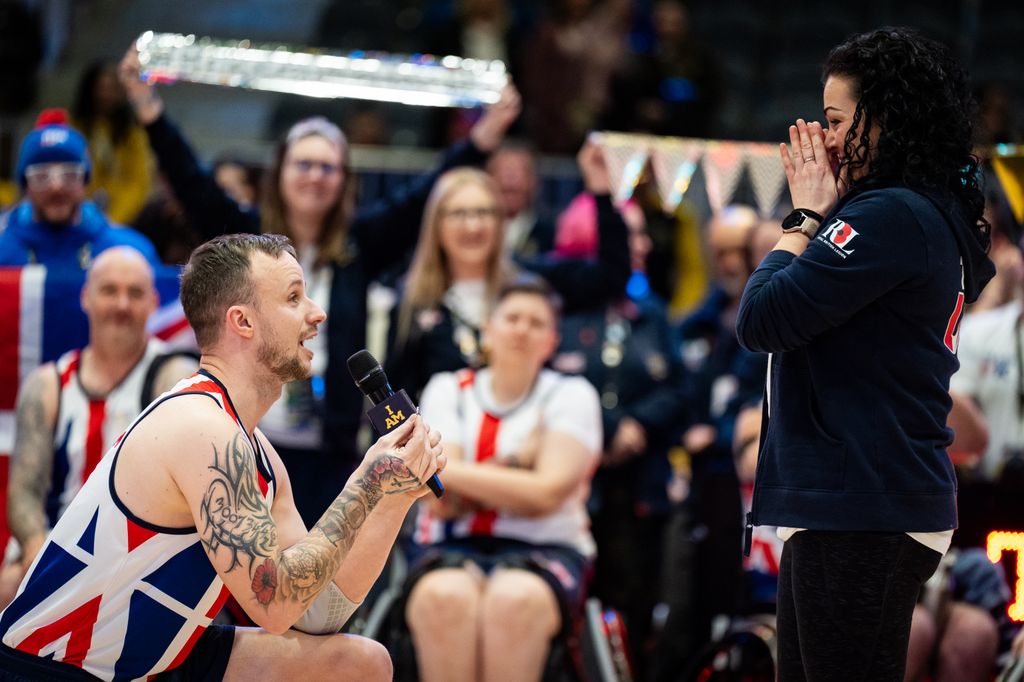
[674, 162]
[40, 319]
[723, 166]
[767, 176]
[626, 157]
[1008, 162]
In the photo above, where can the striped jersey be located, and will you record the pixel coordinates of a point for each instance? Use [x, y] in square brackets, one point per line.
[461, 406]
[113, 594]
[87, 426]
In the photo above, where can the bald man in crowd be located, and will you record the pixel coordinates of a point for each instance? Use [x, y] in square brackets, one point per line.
[69, 412]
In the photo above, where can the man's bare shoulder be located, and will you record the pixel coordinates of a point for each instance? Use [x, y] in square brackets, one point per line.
[167, 455]
[179, 426]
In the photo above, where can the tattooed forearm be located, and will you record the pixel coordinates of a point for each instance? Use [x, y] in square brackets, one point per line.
[236, 520]
[387, 475]
[233, 510]
[31, 464]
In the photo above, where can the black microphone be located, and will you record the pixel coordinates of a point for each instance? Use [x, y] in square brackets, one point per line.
[390, 409]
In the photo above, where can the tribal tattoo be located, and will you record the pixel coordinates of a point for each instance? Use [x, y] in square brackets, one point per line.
[233, 509]
[237, 519]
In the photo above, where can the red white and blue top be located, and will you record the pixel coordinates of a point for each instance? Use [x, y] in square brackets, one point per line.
[113, 594]
[88, 426]
[462, 407]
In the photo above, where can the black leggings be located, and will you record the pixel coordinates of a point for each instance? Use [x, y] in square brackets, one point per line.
[845, 604]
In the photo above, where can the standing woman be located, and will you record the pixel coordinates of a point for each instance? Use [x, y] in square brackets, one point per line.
[309, 197]
[860, 304]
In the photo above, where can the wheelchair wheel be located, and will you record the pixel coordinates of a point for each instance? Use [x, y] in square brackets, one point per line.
[603, 648]
[745, 654]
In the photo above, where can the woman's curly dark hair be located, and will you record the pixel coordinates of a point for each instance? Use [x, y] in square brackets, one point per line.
[918, 96]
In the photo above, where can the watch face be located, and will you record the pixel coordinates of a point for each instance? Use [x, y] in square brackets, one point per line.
[794, 219]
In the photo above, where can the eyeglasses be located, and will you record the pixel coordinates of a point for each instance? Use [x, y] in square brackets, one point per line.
[479, 213]
[305, 166]
[45, 174]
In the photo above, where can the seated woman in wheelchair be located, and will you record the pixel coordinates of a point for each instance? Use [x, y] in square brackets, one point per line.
[504, 555]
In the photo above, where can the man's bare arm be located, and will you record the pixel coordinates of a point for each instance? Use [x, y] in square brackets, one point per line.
[32, 460]
[276, 585]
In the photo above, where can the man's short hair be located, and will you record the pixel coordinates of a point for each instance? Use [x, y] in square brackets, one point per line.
[217, 276]
[533, 285]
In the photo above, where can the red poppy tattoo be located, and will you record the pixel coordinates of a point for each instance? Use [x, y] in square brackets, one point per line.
[264, 583]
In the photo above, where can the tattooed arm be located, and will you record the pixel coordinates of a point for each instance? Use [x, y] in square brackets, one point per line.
[32, 460]
[273, 582]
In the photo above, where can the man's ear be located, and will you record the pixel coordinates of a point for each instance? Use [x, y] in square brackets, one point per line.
[240, 322]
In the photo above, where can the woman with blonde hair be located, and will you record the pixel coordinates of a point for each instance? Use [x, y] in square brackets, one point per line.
[460, 265]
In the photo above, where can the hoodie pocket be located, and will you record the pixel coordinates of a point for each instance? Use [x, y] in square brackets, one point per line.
[799, 452]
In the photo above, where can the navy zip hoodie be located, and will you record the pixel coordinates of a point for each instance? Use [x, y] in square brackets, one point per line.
[862, 327]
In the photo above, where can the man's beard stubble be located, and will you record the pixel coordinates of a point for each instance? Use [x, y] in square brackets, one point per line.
[285, 368]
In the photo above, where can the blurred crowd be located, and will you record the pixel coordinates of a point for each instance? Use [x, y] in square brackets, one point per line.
[642, 464]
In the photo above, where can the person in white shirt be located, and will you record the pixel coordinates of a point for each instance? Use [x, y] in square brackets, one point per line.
[509, 543]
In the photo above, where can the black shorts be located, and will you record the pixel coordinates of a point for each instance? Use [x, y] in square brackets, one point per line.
[564, 569]
[208, 660]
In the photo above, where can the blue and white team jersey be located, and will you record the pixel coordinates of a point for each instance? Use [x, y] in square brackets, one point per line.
[112, 594]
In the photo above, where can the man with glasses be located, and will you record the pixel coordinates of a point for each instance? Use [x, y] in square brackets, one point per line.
[55, 225]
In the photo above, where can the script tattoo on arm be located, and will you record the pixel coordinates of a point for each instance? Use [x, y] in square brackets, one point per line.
[236, 519]
[31, 464]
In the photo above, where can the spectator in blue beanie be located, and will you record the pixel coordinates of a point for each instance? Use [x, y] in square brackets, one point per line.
[54, 224]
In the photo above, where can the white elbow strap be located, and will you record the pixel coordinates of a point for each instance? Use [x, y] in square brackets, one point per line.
[327, 613]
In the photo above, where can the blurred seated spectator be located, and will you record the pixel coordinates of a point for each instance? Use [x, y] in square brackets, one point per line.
[672, 90]
[761, 564]
[625, 350]
[367, 124]
[461, 263]
[69, 412]
[55, 225]
[719, 377]
[990, 375]
[507, 550]
[514, 169]
[567, 66]
[122, 166]
[1005, 253]
[309, 197]
[960, 624]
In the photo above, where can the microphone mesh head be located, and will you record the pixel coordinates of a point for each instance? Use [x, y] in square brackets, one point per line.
[366, 371]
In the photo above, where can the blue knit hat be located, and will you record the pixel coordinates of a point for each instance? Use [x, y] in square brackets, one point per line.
[52, 141]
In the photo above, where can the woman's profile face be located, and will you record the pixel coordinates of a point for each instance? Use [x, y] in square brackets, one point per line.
[840, 105]
[312, 176]
[470, 221]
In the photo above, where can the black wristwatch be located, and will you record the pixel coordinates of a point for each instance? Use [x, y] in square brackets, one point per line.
[802, 220]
